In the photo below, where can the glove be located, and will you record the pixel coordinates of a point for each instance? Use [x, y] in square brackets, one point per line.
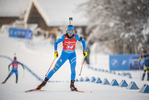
[56, 54]
[84, 53]
[8, 69]
[24, 68]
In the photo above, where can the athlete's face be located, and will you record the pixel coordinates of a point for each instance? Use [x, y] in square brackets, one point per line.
[70, 33]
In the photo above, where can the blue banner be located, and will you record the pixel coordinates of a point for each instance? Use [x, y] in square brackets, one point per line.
[20, 33]
[125, 62]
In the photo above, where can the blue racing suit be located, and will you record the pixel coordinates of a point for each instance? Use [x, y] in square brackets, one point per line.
[146, 64]
[68, 53]
[14, 70]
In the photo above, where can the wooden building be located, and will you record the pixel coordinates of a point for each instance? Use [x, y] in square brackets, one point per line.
[11, 10]
[52, 14]
[49, 15]
[7, 20]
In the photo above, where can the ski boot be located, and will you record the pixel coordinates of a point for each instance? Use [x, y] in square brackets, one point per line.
[72, 87]
[3, 82]
[143, 77]
[16, 79]
[42, 84]
[6, 79]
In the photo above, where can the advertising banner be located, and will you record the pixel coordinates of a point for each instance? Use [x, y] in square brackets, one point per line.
[125, 62]
[20, 33]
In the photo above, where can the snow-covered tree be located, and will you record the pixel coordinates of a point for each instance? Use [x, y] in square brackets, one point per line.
[122, 25]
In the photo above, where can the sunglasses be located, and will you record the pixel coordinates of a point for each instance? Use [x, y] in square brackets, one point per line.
[70, 32]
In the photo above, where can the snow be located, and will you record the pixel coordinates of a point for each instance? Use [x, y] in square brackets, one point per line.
[38, 55]
[55, 12]
[9, 8]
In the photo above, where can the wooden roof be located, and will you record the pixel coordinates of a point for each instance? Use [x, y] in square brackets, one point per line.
[56, 12]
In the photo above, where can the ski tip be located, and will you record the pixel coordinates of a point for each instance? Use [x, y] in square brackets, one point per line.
[42, 90]
[81, 91]
[34, 90]
[84, 91]
[26, 91]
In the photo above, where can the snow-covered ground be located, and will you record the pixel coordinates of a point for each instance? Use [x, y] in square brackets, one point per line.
[38, 56]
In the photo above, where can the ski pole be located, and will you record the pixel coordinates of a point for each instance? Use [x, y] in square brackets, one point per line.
[140, 71]
[23, 73]
[82, 66]
[50, 67]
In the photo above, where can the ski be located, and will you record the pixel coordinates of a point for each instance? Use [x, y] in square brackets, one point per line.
[32, 90]
[83, 91]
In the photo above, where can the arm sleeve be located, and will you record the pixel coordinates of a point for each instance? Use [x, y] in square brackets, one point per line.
[21, 64]
[81, 40]
[10, 65]
[140, 58]
[61, 39]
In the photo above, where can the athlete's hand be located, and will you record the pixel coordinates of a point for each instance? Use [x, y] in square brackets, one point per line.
[84, 53]
[24, 68]
[8, 69]
[56, 54]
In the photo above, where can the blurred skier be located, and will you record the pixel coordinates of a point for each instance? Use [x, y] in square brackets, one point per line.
[14, 69]
[88, 55]
[145, 55]
[68, 53]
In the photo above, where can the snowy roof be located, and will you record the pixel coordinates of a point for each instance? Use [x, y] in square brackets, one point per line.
[57, 12]
[12, 8]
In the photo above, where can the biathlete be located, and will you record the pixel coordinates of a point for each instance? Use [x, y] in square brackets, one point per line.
[14, 69]
[145, 55]
[68, 53]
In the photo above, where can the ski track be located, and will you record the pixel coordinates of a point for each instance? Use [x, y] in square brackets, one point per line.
[38, 59]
